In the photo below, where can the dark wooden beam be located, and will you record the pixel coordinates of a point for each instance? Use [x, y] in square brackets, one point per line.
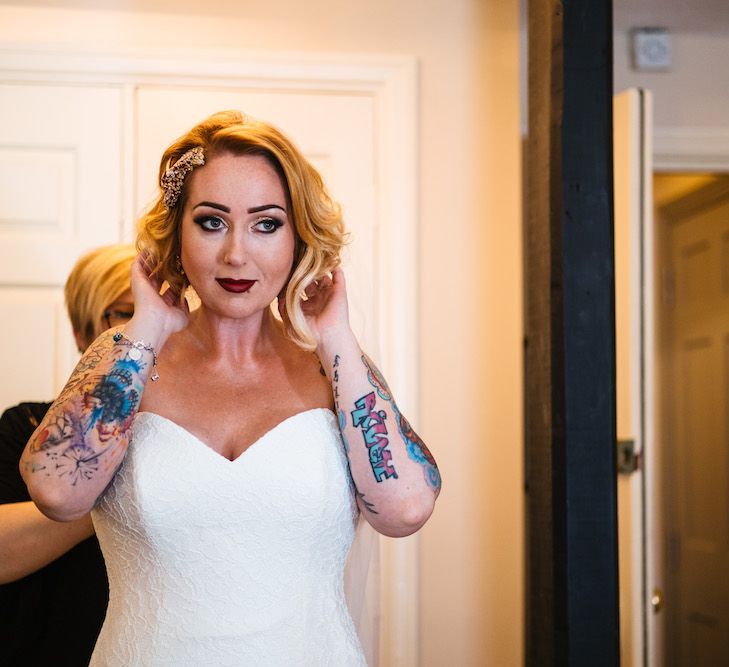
[572, 577]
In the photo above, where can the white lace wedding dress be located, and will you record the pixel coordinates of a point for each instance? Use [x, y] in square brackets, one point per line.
[218, 562]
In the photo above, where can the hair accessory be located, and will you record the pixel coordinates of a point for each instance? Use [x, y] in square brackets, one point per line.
[135, 353]
[174, 177]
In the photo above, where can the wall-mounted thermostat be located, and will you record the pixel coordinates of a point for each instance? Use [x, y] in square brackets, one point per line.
[651, 49]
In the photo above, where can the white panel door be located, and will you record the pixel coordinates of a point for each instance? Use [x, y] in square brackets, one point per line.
[698, 321]
[334, 131]
[93, 139]
[60, 194]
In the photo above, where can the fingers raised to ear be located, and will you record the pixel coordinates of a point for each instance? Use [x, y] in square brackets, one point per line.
[311, 289]
[338, 277]
[322, 283]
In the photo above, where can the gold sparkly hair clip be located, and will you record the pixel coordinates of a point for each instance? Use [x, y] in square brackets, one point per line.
[174, 177]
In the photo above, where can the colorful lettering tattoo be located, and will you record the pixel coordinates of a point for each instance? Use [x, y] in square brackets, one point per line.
[415, 447]
[374, 432]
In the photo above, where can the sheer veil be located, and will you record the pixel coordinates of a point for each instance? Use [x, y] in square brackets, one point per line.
[362, 588]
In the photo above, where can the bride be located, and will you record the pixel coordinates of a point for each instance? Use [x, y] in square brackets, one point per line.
[226, 452]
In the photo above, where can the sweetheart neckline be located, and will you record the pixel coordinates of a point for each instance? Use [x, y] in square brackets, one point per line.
[218, 455]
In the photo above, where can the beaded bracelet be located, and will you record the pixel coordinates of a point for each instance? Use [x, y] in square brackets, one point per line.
[135, 353]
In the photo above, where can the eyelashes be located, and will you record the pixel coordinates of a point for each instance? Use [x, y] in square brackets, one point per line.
[212, 223]
[268, 225]
[209, 223]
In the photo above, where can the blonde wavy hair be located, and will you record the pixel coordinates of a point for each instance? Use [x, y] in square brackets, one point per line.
[96, 281]
[317, 219]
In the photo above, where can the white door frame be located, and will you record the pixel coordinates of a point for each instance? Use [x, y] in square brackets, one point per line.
[691, 149]
[391, 82]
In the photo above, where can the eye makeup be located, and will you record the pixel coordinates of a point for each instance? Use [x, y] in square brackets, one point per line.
[210, 223]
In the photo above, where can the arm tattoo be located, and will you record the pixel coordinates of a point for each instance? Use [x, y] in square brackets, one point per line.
[342, 418]
[414, 446]
[366, 503]
[376, 379]
[374, 432]
[417, 451]
[342, 423]
[335, 380]
[87, 364]
[91, 418]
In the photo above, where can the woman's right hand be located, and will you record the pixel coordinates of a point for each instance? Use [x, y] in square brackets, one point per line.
[155, 315]
[77, 448]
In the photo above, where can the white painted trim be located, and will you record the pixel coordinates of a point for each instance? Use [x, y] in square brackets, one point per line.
[206, 67]
[392, 82]
[653, 503]
[691, 149]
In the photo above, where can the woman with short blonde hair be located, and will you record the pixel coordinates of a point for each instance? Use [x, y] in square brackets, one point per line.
[316, 218]
[98, 282]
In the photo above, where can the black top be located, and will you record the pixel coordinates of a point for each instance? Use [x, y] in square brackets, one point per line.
[51, 617]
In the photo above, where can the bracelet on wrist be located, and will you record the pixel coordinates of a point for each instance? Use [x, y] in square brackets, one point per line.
[135, 352]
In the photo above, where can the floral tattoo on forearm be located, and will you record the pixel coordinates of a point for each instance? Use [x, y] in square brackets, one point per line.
[96, 414]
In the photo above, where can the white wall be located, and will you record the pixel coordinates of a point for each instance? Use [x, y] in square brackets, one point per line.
[470, 263]
[691, 126]
[695, 92]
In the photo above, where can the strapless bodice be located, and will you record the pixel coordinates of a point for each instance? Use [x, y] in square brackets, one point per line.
[219, 562]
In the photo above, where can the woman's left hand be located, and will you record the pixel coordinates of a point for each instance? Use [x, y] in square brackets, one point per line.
[326, 308]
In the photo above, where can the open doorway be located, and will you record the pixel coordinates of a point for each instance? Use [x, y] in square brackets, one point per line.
[692, 234]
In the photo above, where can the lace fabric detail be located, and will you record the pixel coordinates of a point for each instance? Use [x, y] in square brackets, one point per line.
[218, 562]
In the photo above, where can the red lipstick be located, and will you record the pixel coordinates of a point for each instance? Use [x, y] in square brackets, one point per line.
[235, 286]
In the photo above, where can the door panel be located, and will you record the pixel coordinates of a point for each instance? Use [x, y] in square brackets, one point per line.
[698, 323]
[38, 348]
[60, 194]
[60, 178]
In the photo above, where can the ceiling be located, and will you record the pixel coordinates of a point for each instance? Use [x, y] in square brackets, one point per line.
[707, 16]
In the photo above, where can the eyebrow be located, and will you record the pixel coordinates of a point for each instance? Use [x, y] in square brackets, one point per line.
[255, 209]
[211, 204]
